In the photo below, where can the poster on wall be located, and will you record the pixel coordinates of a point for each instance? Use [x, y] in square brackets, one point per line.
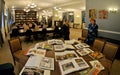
[103, 14]
[92, 13]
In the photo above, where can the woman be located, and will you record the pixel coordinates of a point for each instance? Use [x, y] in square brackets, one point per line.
[92, 32]
[65, 30]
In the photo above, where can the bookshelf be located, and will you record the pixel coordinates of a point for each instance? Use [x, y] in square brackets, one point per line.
[23, 16]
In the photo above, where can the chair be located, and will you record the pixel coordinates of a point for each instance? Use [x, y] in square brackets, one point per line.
[16, 50]
[115, 69]
[110, 50]
[98, 45]
[84, 35]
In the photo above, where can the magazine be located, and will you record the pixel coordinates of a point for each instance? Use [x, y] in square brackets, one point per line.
[34, 51]
[97, 64]
[84, 72]
[96, 55]
[59, 47]
[55, 41]
[68, 66]
[65, 55]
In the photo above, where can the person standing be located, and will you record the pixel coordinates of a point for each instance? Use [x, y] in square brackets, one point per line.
[65, 30]
[92, 32]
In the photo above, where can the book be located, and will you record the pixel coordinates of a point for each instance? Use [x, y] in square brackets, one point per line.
[78, 46]
[69, 47]
[84, 72]
[32, 71]
[68, 66]
[97, 64]
[34, 51]
[55, 41]
[81, 63]
[93, 71]
[47, 63]
[70, 42]
[96, 55]
[84, 45]
[59, 56]
[84, 51]
[59, 47]
[37, 61]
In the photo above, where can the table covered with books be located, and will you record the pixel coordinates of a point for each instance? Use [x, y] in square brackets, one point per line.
[55, 57]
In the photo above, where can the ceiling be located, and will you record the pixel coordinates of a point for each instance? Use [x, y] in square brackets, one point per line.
[46, 4]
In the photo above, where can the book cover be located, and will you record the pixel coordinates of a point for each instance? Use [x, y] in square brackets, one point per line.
[96, 55]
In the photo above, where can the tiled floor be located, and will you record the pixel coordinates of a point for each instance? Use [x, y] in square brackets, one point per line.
[5, 54]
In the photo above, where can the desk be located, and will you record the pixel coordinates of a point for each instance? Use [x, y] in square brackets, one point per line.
[22, 31]
[56, 71]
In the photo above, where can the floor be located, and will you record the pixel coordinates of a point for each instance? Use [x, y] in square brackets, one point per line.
[5, 54]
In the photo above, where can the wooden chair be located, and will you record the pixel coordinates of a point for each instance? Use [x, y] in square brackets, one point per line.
[84, 35]
[16, 50]
[98, 45]
[110, 50]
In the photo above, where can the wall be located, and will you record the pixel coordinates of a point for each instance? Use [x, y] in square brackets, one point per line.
[108, 28]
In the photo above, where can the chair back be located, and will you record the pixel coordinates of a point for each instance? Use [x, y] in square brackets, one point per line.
[84, 32]
[15, 44]
[110, 50]
[98, 44]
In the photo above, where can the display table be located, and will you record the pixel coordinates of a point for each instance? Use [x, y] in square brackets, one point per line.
[57, 71]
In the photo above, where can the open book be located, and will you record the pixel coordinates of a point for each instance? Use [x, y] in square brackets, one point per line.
[96, 55]
[59, 47]
[59, 56]
[97, 64]
[40, 62]
[68, 66]
[55, 41]
[34, 51]
[84, 51]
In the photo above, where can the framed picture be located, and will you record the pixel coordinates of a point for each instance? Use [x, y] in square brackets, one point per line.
[92, 13]
[103, 14]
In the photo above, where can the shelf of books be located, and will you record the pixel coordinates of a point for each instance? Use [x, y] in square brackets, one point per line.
[21, 15]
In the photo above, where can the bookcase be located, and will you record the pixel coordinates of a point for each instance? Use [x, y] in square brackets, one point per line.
[22, 16]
